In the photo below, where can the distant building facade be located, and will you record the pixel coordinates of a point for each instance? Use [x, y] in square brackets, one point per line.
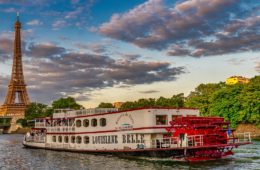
[237, 80]
[118, 104]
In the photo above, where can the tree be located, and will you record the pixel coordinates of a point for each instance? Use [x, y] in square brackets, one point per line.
[35, 110]
[250, 99]
[128, 105]
[226, 103]
[65, 103]
[174, 101]
[177, 100]
[105, 105]
[200, 98]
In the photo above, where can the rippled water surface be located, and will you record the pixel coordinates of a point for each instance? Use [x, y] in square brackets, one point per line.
[14, 156]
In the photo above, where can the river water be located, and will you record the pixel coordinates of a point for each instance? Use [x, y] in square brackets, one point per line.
[14, 156]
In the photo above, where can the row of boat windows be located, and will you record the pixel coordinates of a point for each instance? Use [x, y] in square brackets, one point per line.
[163, 119]
[72, 139]
[94, 122]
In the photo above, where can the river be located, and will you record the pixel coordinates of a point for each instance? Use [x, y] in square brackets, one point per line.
[14, 156]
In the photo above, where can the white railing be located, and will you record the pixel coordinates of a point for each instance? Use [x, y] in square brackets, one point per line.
[195, 140]
[69, 113]
[191, 141]
[39, 124]
[163, 143]
[94, 111]
[175, 142]
[240, 138]
[61, 129]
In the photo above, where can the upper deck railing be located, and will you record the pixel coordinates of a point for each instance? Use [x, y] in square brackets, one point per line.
[60, 113]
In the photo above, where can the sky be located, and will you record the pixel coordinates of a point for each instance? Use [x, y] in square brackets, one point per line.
[113, 50]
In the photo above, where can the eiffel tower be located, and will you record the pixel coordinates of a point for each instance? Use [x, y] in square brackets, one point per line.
[17, 98]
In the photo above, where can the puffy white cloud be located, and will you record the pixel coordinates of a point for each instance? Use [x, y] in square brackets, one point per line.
[217, 26]
[34, 22]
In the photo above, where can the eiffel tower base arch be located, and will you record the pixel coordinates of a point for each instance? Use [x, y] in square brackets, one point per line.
[16, 112]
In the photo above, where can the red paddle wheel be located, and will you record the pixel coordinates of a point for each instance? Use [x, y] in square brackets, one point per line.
[203, 138]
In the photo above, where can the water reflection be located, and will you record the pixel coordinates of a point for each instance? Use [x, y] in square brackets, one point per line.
[14, 156]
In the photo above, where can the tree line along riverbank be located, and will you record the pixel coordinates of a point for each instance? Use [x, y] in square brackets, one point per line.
[239, 103]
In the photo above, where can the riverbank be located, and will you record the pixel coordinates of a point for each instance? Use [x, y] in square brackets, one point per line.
[253, 129]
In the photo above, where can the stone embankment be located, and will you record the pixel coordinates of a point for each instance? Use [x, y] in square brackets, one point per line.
[21, 130]
[253, 129]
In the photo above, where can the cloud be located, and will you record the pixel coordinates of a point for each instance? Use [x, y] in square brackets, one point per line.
[149, 91]
[22, 2]
[228, 25]
[94, 47]
[34, 22]
[59, 24]
[6, 48]
[3, 86]
[9, 10]
[74, 14]
[244, 41]
[52, 71]
[131, 57]
[44, 50]
[177, 50]
[236, 61]
[153, 25]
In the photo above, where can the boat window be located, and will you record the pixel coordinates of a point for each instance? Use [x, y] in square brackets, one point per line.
[78, 123]
[86, 140]
[60, 139]
[94, 122]
[103, 122]
[72, 139]
[161, 119]
[78, 140]
[66, 139]
[71, 122]
[53, 138]
[86, 123]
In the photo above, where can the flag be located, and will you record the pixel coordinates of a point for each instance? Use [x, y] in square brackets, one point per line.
[229, 131]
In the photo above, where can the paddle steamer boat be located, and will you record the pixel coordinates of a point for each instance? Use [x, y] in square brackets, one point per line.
[155, 132]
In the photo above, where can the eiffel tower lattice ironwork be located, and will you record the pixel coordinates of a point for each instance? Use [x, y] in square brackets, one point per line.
[17, 98]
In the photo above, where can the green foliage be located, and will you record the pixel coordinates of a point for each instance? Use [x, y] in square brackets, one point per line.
[250, 99]
[225, 103]
[105, 105]
[174, 101]
[200, 98]
[238, 103]
[65, 103]
[22, 122]
[128, 105]
[36, 110]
